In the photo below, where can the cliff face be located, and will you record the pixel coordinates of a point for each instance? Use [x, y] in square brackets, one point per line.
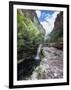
[56, 36]
[59, 22]
[30, 33]
[33, 17]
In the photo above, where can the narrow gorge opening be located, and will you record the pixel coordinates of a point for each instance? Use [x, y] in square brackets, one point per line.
[46, 19]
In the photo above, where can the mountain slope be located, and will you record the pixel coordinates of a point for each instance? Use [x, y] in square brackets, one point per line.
[30, 33]
[56, 36]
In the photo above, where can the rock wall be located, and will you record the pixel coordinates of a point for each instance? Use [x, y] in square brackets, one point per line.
[59, 21]
[30, 33]
[56, 36]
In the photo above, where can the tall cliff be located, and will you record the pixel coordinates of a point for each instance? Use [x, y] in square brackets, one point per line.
[56, 36]
[59, 22]
[31, 14]
[30, 33]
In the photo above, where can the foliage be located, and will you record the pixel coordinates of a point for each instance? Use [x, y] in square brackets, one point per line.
[28, 36]
[56, 35]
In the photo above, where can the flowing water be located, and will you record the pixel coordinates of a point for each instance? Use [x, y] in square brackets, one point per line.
[40, 47]
[51, 66]
[38, 52]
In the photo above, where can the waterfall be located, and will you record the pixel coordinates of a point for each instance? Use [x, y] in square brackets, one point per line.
[45, 36]
[38, 52]
[40, 46]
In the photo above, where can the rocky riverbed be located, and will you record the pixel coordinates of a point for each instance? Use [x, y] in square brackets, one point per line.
[51, 65]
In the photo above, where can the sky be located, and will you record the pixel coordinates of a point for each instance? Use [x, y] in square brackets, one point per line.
[47, 19]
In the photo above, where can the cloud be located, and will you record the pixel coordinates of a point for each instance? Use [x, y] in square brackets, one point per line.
[47, 19]
[48, 24]
[42, 14]
[47, 27]
[38, 12]
[52, 17]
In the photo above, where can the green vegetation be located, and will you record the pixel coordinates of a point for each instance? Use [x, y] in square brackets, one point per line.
[56, 35]
[28, 36]
[56, 39]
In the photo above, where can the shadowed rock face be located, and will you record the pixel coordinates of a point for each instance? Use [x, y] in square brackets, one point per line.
[56, 36]
[59, 21]
[26, 68]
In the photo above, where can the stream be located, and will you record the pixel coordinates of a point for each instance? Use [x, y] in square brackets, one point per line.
[48, 67]
[51, 66]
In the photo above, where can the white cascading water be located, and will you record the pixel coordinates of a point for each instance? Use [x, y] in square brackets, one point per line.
[40, 46]
[38, 52]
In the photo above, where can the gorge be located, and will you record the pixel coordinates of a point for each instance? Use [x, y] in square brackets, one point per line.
[42, 55]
